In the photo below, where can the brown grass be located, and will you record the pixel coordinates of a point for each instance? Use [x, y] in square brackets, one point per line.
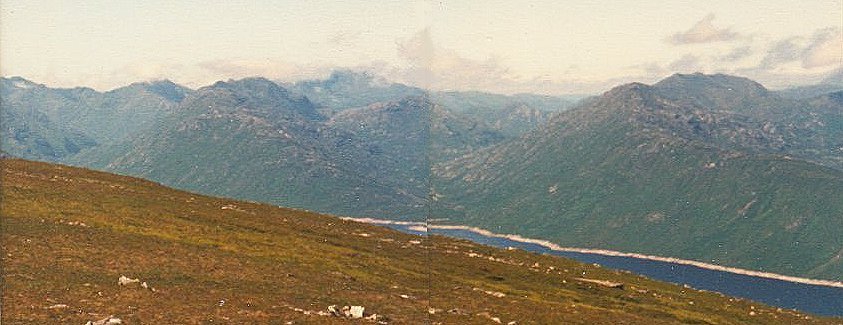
[265, 261]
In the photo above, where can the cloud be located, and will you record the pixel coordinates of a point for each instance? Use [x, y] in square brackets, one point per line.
[822, 50]
[781, 51]
[425, 64]
[703, 32]
[429, 66]
[825, 49]
[737, 53]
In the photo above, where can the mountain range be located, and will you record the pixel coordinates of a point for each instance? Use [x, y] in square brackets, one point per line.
[709, 167]
[368, 143]
[54, 124]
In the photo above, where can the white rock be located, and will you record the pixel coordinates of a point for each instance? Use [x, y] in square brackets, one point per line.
[124, 280]
[357, 311]
[110, 320]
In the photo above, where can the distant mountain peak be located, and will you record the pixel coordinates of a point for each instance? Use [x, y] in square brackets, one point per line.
[168, 89]
[716, 91]
[835, 77]
[164, 88]
[709, 81]
[252, 86]
[406, 104]
[257, 93]
[350, 75]
[253, 82]
[632, 86]
[163, 83]
[19, 82]
[635, 91]
[347, 78]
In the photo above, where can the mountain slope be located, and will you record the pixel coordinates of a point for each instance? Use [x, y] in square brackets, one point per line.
[69, 234]
[55, 124]
[253, 139]
[509, 115]
[345, 89]
[832, 83]
[737, 113]
[635, 170]
[417, 131]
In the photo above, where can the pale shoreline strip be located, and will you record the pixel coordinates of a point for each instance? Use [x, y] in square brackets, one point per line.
[555, 247]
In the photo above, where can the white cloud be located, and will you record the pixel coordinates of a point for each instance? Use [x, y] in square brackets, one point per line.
[822, 50]
[781, 51]
[825, 49]
[428, 66]
[703, 32]
[737, 53]
[423, 62]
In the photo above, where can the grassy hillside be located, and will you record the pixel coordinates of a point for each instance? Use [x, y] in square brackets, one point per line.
[68, 234]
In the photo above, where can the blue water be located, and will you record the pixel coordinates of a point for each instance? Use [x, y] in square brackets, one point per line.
[815, 299]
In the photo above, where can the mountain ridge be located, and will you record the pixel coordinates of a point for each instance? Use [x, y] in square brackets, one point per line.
[632, 162]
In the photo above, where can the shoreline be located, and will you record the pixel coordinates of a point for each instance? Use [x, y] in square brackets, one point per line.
[421, 226]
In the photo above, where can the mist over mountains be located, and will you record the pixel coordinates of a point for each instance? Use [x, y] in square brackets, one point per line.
[708, 167]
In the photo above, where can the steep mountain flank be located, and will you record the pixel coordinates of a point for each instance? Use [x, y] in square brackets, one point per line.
[692, 174]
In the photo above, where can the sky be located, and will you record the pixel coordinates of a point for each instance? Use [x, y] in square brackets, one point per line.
[548, 47]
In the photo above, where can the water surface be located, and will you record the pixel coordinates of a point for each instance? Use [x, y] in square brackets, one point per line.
[811, 298]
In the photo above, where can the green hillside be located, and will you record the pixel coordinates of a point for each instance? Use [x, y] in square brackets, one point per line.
[367, 141]
[252, 139]
[55, 124]
[69, 234]
[627, 172]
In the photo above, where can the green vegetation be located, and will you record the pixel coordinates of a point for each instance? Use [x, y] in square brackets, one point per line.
[627, 172]
[368, 142]
[68, 234]
[56, 124]
[252, 139]
[708, 167]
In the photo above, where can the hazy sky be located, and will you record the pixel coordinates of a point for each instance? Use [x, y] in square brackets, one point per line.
[570, 46]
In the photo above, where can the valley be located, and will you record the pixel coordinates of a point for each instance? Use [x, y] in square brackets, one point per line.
[69, 234]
